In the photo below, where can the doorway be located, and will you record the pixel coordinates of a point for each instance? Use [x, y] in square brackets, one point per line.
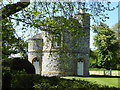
[80, 68]
[36, 64]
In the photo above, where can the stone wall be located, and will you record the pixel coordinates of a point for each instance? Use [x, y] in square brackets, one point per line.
[62, 61]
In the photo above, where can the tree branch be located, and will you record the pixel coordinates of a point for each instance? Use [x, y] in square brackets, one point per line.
[10, 9]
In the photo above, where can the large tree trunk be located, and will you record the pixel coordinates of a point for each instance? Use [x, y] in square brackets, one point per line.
[10, 9]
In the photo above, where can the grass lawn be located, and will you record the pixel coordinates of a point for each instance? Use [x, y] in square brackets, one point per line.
[99, 80]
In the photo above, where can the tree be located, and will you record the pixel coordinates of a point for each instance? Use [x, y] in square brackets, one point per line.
[11, 44]
[107, 46]
[116, 26]
[38, 11]
[34, 15]
[93, 59]
[10, 9]
[116, 29]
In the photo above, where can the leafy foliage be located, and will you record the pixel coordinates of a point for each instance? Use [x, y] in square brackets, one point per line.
[93, 59]
[116, 29]
[48, 82]
[107, 45]
[11, 43]
[62, 26]
[29, 81]
[20, 79]
[116, 26]
[8, 9]
[13, 68]
[18, 64]
[33, 16]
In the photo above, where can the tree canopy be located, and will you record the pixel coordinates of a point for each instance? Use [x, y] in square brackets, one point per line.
[10, 9]
[36, 12]
[107, 46]
[116, 28]
[11, 42]
[33, 14]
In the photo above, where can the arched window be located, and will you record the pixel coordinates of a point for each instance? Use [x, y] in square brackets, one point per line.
[36, 64]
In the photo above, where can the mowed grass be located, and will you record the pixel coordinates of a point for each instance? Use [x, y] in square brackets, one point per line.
[114, 82]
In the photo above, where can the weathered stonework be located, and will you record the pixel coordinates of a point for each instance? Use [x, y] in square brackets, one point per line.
[61, 62]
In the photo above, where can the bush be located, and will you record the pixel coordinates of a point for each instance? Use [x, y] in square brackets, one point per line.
[6, 78]
[17, 80]
[13, 70]
[118, 66]
[65, 84]
[21, 80]
[19, 64]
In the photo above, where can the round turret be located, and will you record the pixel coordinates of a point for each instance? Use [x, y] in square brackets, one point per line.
[35, 46]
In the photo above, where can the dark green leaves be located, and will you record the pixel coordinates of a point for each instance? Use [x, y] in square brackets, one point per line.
[11, 44]
[107, 46]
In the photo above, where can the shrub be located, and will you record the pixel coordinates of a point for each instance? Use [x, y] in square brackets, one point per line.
[65, 84]
[22, 80]
[17, 80]
[6, 78]
[19, 64]
[118, 66]
[13, 70]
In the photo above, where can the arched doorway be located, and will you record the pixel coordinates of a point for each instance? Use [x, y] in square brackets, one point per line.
[36, 64]
[80, 67]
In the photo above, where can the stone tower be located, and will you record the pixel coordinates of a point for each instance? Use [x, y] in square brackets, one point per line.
[35, 47]
[65, 59]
